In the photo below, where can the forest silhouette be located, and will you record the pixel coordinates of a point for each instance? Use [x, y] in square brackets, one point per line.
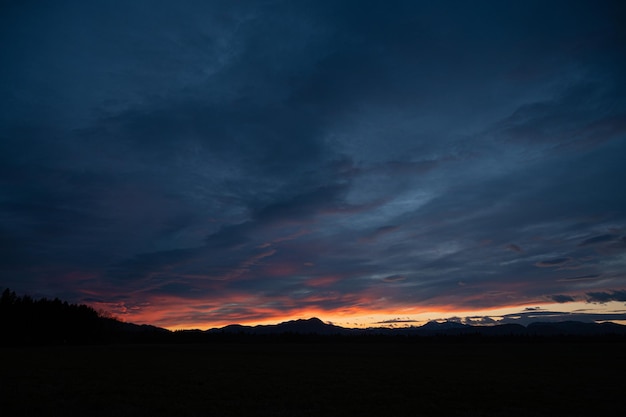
[28, 321]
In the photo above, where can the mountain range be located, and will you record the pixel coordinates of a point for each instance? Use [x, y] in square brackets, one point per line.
[315, 326]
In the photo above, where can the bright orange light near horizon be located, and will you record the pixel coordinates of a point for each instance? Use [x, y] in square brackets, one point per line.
[177, 313]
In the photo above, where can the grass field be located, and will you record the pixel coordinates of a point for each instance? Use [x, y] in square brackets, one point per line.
[316, 379]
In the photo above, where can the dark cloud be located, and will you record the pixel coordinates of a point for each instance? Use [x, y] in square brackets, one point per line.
[560, 298]
[553, 262]
[397, 320]
[567, 120]
[305, 206]
[598, 239]
[589, 277]
[526, 318]
[513, 247]
[379, 232]
[479, 321]
[606, 296]
[394, 278]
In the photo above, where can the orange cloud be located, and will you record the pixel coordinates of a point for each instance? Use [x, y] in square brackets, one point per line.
[322, 281]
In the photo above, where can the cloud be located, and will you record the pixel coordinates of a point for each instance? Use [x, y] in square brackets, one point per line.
[397, 320]
[598, 239]
[322, 281]
[394, 278]
[606, 296]
[559, 298]
[589, 277]
[303, 206]
[479, 321]
[549, 263]
[566, 120]
[378, 233]
[528, 317]
[515, 248]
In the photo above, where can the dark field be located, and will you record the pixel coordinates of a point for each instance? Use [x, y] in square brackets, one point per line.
[316, 379]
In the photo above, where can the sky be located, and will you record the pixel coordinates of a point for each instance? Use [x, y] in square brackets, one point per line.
[193, 164]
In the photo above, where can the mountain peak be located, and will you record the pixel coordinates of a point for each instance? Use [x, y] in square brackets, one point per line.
[312, 320]
[311, 325]
[443, 325]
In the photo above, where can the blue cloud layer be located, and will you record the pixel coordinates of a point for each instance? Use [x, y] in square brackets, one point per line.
[322, 154]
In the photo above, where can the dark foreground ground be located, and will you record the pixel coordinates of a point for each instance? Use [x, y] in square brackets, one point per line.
[316, 379]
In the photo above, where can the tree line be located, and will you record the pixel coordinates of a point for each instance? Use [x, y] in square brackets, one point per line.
[25, 321]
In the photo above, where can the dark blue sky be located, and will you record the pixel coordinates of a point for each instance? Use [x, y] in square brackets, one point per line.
[196, 163]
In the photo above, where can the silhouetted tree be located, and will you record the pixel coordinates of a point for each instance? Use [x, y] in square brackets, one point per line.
[24, 320]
